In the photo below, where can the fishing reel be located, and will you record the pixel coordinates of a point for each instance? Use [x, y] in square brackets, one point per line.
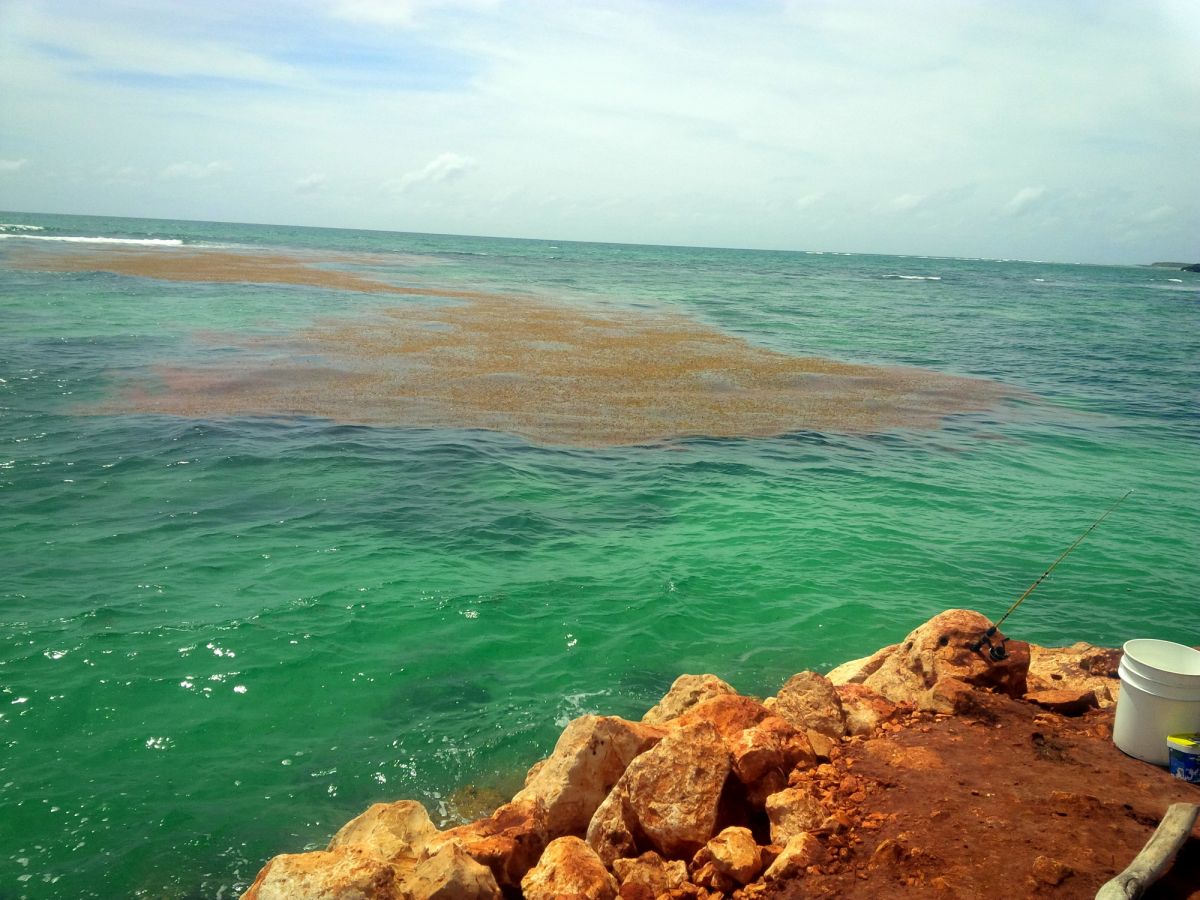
[997, 651]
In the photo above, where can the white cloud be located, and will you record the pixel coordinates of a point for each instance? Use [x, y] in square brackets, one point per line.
[400, 13]
[117, 174]
[809, 200]
[309, 184]
[193, 171]
[1024, 200]
[903, 203]
[107, 45]
[447, 167]
[12, 165]
[1158, 214]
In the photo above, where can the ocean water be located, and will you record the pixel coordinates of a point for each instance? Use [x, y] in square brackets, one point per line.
[222, 637]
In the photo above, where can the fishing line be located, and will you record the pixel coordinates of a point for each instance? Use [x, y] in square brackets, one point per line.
[998, 651]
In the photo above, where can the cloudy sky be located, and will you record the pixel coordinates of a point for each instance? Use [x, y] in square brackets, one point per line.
[1063, 130]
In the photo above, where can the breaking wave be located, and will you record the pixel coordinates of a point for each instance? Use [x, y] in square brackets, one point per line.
[142, 242]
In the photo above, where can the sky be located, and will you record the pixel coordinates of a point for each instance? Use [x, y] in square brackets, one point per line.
[1064, 130]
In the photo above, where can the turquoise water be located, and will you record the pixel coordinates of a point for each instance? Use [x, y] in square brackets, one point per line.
[220, 639]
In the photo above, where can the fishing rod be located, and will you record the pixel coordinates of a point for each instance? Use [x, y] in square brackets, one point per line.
[999, 651]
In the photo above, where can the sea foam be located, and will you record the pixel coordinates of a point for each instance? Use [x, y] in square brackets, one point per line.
[141, 242]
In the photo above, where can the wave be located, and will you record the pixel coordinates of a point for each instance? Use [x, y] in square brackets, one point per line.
[10, 226]
[915, 277]
[144, 242]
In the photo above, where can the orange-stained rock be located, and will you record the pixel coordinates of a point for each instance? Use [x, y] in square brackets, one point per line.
[857, 670]
[392, 831]
[508, 842]
[650, 871]
[569, 868]
[793, 811]
[612, 831]
[801, 851]
[822, 744]
[668, 798]
[865, 709]
[808, 700]
[951, 697]
[940, 649]
[689, 891]
[1050, 872]
[733, 853]
[888, 853]
[711, 878]
[1080, 667]
[730, 714]
[346, 873]
[589, 758]
[764, 755]
[686, 692]
[1064, 702]
[451, 874]
[375, 857]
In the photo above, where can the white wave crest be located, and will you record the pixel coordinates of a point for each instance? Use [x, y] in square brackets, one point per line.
[916, 277]
[144, 242]
[9, 226]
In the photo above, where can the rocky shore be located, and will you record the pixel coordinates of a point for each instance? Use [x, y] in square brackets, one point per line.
[924, 770]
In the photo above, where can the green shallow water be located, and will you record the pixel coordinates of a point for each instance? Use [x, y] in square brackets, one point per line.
[219, 640]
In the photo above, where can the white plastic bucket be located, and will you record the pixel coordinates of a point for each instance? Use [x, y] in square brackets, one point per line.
[1160, 695]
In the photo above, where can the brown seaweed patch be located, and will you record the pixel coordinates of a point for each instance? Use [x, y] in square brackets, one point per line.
[170, 264]
[556, 375]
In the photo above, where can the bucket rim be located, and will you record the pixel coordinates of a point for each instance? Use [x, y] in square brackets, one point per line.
[1131, 647]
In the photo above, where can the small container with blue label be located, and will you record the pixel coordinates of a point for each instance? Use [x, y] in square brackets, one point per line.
[1184, 753]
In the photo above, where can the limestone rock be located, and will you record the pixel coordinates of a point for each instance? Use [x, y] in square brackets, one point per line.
[822, 744]
[808, 700]
[733, 853]
[345, 873]
[711, 878]
[686, 692]
[765, 754]
[651, 871]
[888, 854]
[508, 842]
[451, 874]
[1050, 872]
[801, 851]
[1064, 702]
[951, 697]
[1080, 667]
[857, 670]
[569, 868]
[390, 831]
[793, 811]
[668, 798]
[611, 833]
[589, 758]
[940, 649]
[865, 709]
[536, 769]
[730, 714]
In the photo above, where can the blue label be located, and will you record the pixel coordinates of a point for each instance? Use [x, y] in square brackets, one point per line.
[1185, 766]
